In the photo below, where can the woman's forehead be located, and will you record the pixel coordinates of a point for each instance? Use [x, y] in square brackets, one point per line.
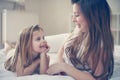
[76, 8]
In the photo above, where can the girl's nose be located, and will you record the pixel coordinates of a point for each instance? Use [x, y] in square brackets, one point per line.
[44, 41]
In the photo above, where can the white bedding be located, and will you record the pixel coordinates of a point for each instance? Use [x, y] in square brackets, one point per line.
[7, 75]
[55, 42]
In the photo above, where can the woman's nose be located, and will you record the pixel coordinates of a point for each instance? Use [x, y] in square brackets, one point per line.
[73, 18]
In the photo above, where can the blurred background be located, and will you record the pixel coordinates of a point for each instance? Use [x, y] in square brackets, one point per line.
[54, 16]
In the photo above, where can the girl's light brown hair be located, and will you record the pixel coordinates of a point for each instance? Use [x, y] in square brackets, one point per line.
[24, 47]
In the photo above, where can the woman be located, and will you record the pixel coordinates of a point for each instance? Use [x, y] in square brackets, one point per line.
[87, 54]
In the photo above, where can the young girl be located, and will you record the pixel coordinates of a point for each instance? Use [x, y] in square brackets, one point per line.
[30, 53]
[87, 54]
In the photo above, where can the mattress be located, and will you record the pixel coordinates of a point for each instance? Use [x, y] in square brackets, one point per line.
[7, 75]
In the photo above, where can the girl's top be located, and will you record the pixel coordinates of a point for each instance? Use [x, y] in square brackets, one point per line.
[9, 62]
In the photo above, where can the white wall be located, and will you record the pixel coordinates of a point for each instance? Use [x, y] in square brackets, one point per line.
[14, 21]
[54, 14]
[3, 5]
[115, 5]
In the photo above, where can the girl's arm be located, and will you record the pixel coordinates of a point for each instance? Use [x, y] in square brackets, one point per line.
[44, 60]
[44, 63]
[21, 71]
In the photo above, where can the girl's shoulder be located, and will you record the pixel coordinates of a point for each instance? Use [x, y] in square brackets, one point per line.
[10, 54]
[9, 62]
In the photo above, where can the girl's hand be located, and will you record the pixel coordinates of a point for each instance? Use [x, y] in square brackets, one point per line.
[45, 48]
[56, 68]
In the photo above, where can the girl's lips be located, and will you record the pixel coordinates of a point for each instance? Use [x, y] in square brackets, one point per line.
[44, 46]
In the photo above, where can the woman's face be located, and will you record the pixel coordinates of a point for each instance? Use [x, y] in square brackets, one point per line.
[79, 19]
[38, 42]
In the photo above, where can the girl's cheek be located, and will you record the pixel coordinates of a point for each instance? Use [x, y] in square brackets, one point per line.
[46, 46]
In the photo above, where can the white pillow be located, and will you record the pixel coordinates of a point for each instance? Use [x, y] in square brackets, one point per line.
[56, 41]
[116, 72]
[117, 50]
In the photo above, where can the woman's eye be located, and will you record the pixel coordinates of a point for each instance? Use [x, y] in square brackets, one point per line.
[76, 15]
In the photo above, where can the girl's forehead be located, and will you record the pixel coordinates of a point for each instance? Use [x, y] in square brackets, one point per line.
[38, 32]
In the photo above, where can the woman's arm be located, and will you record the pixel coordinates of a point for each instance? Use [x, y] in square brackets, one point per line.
[21, 71]
[83, 75]
[59, 55]
[75, 73]
[69, 70]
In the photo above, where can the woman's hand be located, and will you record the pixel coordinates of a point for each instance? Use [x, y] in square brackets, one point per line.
[70, 70]
[56, 68]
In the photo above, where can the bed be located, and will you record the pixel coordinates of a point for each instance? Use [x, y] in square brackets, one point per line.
[7, 75]
[55, 42]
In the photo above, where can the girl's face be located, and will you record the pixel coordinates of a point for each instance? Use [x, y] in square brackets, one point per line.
[79, 19]
[38, 42]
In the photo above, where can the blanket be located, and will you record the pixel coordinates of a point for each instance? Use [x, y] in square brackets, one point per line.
[54, 42]
[7, 75]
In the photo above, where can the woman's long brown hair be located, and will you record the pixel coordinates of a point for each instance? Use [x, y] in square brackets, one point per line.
[98, 15]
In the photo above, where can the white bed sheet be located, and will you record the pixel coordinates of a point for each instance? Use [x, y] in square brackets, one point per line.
[7, 75]
[37, 77]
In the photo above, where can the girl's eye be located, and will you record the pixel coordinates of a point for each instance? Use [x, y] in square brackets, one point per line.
[38, 38]
[43, 38]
